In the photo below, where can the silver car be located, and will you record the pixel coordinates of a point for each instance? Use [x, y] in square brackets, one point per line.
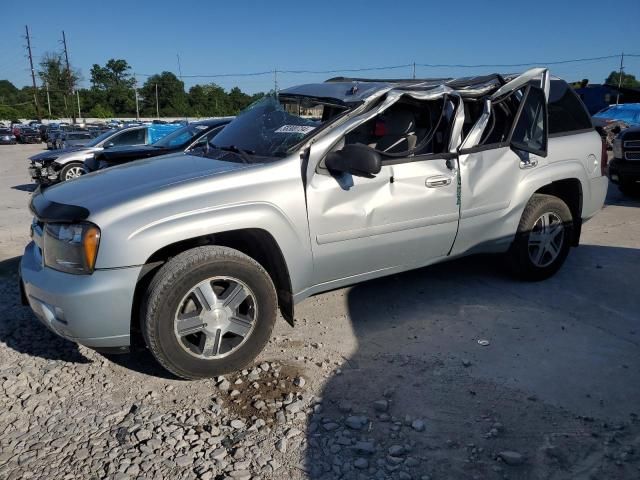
[67, 163]
[323, 186]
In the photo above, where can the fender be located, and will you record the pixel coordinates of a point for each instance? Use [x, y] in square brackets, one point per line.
[151, 237]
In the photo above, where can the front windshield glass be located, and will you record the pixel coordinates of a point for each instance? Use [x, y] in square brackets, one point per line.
[100, 138]
[180, 136]
[271, 126]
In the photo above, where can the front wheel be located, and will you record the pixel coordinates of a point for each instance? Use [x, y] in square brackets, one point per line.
[208, 311]
[71, 171]
[543, 238]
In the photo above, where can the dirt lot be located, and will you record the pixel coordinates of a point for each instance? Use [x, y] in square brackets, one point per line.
[382, 380]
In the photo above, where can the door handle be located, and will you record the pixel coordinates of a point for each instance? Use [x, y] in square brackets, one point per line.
[437, 181]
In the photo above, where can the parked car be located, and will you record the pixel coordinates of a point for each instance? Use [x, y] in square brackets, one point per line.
[628, 113]
[196, 252]
[184, 139]
[7, 137]
[77, 138]
[28, 135]
[59, 165]
[624, 168]
[614, 119]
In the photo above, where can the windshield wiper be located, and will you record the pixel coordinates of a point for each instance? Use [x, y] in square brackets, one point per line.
[242, 153]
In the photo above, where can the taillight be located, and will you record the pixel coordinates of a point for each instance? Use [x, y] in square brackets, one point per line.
[604, 157]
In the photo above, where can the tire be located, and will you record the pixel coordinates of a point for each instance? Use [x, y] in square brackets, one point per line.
[536, 253]
[173, 302]
[70, 170]
[629, 188]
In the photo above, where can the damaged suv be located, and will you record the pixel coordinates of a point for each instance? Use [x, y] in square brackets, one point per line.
[319, 187]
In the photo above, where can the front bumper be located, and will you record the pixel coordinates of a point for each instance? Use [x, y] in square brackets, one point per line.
[43, 173]
[93, 310]
[624, 171]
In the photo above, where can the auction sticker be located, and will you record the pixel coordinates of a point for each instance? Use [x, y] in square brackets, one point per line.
[295, 129]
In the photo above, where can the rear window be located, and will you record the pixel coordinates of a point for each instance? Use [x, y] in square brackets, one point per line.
[566, 111]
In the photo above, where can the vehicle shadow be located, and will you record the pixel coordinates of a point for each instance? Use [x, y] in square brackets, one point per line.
[21, 331]
[141, 360]
[458, 363]
[27, 187]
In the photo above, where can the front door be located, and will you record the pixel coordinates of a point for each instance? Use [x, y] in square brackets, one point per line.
[406, 215]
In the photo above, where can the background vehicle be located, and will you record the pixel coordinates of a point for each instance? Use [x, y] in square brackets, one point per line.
[624, 168]
[628, 113]
[29, 135]
[59, 165]
[7, 137]
[77, 138]
[198, 251]
[183, 139]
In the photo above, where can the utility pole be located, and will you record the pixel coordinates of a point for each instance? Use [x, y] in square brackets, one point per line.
[620, 78]
[414, 70]
[157, 106]
[135, 91]
[69, 82]
[48, 99]
[275, 80]
[79, 113]
[33, 75]
[180, 72]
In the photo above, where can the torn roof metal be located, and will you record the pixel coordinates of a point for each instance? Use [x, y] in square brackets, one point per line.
[355, 90]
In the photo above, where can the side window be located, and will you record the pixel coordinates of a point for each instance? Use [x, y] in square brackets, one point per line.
[530, 131]
[408, 127]
[500, 123]
[130, 137]
[566, 112]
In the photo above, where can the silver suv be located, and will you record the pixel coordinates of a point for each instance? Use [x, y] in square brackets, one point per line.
[321, 186]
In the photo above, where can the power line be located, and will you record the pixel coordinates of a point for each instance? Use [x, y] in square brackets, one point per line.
[395, 67]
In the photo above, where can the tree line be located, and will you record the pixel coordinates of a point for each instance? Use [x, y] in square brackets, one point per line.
[112, 94]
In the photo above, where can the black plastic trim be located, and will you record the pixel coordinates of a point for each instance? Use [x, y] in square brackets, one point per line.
[420, 158]
[571, 132]
[50, 211]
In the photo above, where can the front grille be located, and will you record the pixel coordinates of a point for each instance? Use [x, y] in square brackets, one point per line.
[632, 144]
[632, 155]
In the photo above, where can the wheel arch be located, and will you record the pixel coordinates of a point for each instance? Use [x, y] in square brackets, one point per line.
[256, 243]
[569, 190]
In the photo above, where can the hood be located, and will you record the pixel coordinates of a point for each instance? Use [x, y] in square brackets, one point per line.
[53, 154]
[109, 187]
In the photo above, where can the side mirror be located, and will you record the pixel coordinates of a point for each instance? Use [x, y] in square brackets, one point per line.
[109, 145]
[356, 159]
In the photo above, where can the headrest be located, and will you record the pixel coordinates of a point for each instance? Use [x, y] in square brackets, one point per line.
[398, 122]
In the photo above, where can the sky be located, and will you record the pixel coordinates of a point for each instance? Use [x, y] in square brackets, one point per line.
[213, 38]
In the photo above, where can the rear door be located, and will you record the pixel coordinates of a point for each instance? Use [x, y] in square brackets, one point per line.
[505, 145]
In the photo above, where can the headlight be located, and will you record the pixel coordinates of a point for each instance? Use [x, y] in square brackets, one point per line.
[617, 148]
[71, 248]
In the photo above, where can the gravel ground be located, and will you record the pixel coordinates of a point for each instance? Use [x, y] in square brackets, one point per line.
[387, 379]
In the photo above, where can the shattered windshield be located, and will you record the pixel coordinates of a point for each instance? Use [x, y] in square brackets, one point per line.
[271, 126]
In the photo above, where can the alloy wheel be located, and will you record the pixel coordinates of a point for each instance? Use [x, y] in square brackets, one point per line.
[546, 239]
[215, 317]
[74, 172]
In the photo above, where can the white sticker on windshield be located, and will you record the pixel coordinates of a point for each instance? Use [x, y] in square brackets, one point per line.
[304, 129]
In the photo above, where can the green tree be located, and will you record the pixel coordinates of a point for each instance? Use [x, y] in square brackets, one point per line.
[172, 98]
[113, 86]
[628, 80]
[61, 84]
[100, 111]
[208, 101]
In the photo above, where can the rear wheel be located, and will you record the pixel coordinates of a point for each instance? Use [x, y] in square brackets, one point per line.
[543, 239]
[208, 311]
